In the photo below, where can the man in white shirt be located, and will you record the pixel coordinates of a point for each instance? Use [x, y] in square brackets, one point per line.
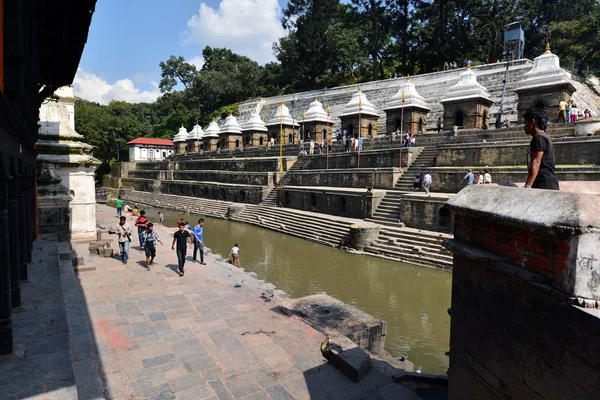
[312, 147]
[426, 182]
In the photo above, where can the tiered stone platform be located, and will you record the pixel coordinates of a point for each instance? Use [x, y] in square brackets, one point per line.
[374, 185]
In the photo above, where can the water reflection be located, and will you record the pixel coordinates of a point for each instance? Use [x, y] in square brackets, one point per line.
[413, 300]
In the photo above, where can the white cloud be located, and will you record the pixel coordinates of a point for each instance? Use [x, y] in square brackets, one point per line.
[247, 27]
[198, 61]
[91, 87]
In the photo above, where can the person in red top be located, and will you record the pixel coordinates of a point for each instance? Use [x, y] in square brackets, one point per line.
[141, 223]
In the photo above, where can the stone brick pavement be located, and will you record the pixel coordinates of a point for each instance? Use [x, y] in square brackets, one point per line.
[156, 335]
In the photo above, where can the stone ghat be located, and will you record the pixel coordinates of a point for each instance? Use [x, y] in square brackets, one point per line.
[568, 151]
[233, 177]
[340, 201]
[242, 163]
[447, 179]
[409, 245]
[368, 158]
[433, 87]
[216, 190]
[357, 178]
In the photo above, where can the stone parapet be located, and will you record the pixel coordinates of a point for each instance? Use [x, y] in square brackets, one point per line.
[523, 260]
[216, 191]
[354, 178]
[365, 159]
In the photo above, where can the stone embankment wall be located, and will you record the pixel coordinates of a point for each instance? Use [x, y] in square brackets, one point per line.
[447, 179]
[433, 87]
[572, 151]
[426, 212]
[525, 295]
[350, 204]
[217, 191]
[356, 178]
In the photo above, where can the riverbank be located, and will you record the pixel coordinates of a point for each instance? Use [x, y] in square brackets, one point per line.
[198, 336]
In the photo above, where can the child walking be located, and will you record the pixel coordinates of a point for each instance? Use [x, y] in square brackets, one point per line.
[234, 254]
[149, 244]
[161, 218]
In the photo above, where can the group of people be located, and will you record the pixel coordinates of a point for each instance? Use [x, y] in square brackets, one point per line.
[423, 180]
[484, 178]
[568, 112]
[448, 65]
[149, 239]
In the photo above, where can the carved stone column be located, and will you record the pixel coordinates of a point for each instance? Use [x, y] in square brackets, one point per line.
[13, 239]
[6, 336]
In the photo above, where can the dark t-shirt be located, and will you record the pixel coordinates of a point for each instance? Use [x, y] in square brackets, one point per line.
[142, 220]
[182, 239]
[546, 179]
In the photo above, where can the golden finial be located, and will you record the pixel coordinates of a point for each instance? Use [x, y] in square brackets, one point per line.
[359, 88]
[304, 116]
[328, 110]
[182, 124]
[403, 96]
[547, 47]
[468, 65]
[316, 98]
[408, 78]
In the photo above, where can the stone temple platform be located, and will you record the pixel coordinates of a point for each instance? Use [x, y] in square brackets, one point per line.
[120, 332]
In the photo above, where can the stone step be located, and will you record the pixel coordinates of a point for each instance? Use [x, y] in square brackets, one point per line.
[408, 257]
[408, 247]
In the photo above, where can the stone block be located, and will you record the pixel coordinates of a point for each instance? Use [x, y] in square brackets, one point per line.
[234, 210]
[107, 252]
[346, 356]
[363, 234]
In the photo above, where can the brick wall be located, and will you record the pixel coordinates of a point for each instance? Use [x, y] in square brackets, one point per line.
[524, 262]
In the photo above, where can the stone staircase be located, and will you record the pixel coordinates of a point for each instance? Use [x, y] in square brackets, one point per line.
[412, 246]
[319, 228]
[272, 198]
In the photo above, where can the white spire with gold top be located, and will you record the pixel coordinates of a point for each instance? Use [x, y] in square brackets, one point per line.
[196, 133]
[182, 135]
[212, 131]
[411, 98]
[231, 125]
[282, 116]
[359, 104]
[316, 113]
[467, 87]
[255, 123]
[546, 71]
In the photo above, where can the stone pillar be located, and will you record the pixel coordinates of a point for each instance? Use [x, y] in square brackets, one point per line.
[6, 336]
[525, 294]
[66, 174]
[13, 241]
[22, 222]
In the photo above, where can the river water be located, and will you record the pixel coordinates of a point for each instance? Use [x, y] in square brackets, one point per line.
[413, 300]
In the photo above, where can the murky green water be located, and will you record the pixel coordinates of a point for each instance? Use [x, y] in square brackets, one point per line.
[413, 300]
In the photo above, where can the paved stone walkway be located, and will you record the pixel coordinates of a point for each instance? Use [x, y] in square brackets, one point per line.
[155, 335]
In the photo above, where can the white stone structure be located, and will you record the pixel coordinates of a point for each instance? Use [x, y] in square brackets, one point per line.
[67, 167]
[467, 88]
[254, 131]
[195, 139]
[211, 136]
[180, 140]
[410, 114]
[283, 116]
[359, 104]
[230, 136]
[316, 113]
[149, 149]
[359, 116]
[546, 71]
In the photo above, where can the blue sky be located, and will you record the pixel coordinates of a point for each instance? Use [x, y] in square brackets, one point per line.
[128, 39]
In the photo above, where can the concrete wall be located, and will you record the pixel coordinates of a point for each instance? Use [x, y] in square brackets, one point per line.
[245, 178]
[216, 191]
[142, 185]
[447, 180]
[351, 204]
[426, 212]
[566, 152]
[235, 164]
[525, 286]
[371, 159]
[353, 178]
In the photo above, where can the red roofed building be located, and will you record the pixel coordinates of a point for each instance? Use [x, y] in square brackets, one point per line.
[148, 149]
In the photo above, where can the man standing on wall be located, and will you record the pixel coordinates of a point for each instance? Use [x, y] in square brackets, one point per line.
[562, 111]
[199, 240]
[540, 155]
[141, 223]
[469, 177]
[182, 238]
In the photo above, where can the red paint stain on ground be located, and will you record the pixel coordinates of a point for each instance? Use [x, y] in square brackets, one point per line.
[113, 336]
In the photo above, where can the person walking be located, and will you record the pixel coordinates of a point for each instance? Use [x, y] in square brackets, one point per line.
[540, 155]
[141, 222]
[150, 237]
[360, 144]
[439, 124]
[426, 182]
[329, 145]
[348, 141]
[487, 178]
[355, 144]
[119, 206]
[182, 238]
[469, 177]
[234, 254]
[161, 218]
[311, 147]
[199, 240]
[480, 178]
[124, 238]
